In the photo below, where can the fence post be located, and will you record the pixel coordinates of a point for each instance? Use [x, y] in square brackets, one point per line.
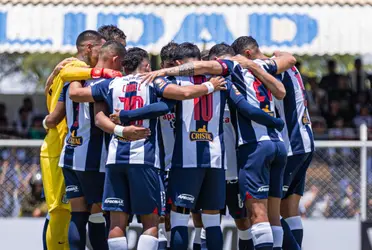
[363, 172]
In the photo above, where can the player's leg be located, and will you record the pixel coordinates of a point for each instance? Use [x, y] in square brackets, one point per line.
[254, 162]
[162, 237]
[184, 190]
[45, 228]
[79, 210]
[92, 186]
[275, 193]
[290, 203]
[168, 207]
[145, 196]
[211, 205]
[198, 225]
[238, 211]
[116, 202]
[58, 206]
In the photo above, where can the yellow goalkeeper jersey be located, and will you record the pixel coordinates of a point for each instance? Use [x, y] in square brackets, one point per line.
[54, 140]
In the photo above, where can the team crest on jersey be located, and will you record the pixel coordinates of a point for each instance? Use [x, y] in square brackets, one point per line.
[305, 119]
[268, 111]
[75, 140]
[201, 135]
[235, 89]
[64, 199]
[160, 82]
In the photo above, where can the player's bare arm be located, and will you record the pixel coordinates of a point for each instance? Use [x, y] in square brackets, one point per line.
[69, 74]
[187, 69]
[284, 61]
[275, 86]
[175, 92]
[78, 93]
[55, 72]
[53, 119]
[131, 133]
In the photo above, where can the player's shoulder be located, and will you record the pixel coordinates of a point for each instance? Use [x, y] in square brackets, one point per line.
[76, 63]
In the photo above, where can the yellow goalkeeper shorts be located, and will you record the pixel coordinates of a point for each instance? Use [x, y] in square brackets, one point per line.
[54, 184]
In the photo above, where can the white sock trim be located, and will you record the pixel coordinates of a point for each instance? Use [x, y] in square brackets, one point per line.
[294, 223]
[197, 239]
[119, 243]
[161, 232]
[262, 233]
[244, 234]
[147, 242]
[97, 218]
[211, 220]
[203, 234]
[277, 236]
[179, 220]
[168, 235]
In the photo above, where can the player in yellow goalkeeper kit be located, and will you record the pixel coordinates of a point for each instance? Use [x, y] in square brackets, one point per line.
[56, 235]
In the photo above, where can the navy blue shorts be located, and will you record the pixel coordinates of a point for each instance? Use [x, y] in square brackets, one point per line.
[262, 167]
[197, 188]
[234, 201]
[295, 174]
[133, 190]
[85, 184]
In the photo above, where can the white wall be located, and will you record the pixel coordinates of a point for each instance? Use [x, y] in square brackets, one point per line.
[19, 234]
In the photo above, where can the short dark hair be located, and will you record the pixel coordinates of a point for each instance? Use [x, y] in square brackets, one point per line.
[168, 52]
[204, 55]
[115, 48]
[87, 36]
[221, 49]
[133, 58]
[244, 42]
[187, 50]
[111, 32]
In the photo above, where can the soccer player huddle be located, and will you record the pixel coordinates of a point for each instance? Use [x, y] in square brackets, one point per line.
[229, 129]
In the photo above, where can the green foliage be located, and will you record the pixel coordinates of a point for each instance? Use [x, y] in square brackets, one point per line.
[38, 66]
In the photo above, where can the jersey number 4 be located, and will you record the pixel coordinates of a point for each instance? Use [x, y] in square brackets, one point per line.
[132, 103]
[203, 108]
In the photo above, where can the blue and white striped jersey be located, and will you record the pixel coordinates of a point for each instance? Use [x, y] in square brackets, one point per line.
[258, 96]
[167, 134]
[297, 133]
[128, 93]
[85, 147]
[230, 146]
[199, 141]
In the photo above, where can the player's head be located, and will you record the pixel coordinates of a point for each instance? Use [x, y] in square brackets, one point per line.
[168, 55]
[187, 52]
[89, 44]
[112, 55]
[204, 55]
[221, 51]
[136, 60]
[246, 46]
[111, 32]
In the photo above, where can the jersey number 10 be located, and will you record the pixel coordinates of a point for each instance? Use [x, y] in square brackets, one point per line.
[203, 108]
[132, 103]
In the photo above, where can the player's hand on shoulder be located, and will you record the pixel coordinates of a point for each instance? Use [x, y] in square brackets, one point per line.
[115, 117]
[244, 62]
[63, 63]
[219, 83]
[133, 133]
[148, 77]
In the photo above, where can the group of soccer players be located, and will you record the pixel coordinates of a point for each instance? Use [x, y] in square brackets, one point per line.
[230, 129]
